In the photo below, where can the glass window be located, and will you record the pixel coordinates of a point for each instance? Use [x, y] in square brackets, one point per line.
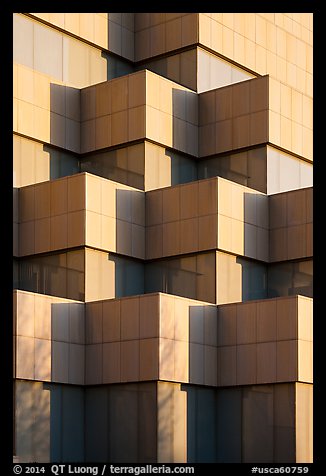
[109, 165]
[257, 169]
[303, 278]
[123, 424]
[254, 280]
[284, 423]
[35, 162]
[158, 276]
[75, 275]
[15, 273]
[246, 168]
[24, 420]
[212, 167]
[129, 276]
[52, 273]
[28, 275]
[182, 276]
[112, 276]
[62, 164]
[279, 279]
[96, 428]
[257, 424]
[228, 404]
[147, 423]
[240, 279]
[206, 426]
[72, 415]
[183, 170]
[122, 67]
[55, 275]
[41, 430]
[206, 277]
[287, 279]
[55, 420]
[191, 276]
[186, 65]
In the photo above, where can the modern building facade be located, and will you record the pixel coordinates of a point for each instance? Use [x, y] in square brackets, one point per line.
[163, 231]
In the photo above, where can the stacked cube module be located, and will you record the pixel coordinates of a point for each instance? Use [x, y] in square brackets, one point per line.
[163, 237]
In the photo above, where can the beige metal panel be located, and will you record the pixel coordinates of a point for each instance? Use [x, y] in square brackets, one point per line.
[249, 40]
[48, 325]
[92, 27]
[291, 233]
[179, 347]
[80, 206]
[74, 211]
[303, 422]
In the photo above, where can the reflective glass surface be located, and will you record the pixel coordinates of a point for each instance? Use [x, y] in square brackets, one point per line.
[192, 277]
[57, 275]
[287, 279]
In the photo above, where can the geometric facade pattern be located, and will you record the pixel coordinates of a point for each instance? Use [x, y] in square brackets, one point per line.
[163, 229]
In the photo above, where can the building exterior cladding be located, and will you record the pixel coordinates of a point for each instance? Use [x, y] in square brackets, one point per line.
[162, 237]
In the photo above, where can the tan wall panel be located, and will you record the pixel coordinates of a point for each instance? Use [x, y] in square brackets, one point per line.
[305, 361]
[157, 33]
[228, 289]
[290, 234]
[115, 219]
[250, 39]
[196, 348]
[263, 355]
[238, 116]
[99, 276]
[49, 329]
[120, 104]
[92, 27]
[304, 419]
[176, 205]
[58, 55]
[243, 216]
[164, 422]
[248, 123]
[82, 210]
[47, 110]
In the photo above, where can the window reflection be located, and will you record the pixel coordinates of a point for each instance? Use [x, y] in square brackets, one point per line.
[60, 274]
[129, 276]
[287, 279]
[47, 418]
[181, 68]
[254, 280]
[246, 168]
[192, 277]
[183, 170]
[34, 162]
[121, 165]
[62, 164]
[239, 279]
